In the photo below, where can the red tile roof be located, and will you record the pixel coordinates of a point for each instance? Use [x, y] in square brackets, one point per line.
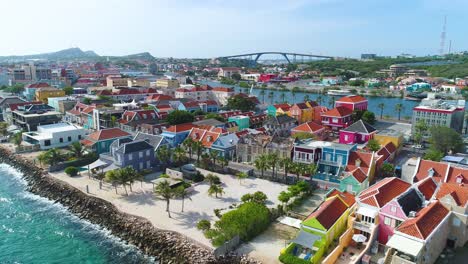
[106, 134]
[284, 107]
[458, 192]
[364, 157]
[329, 212]
[38, 85]
[158, 97]
[425, 222]
[207, 138]
[359, 175]
[439, 170]
[347, 197]
[223, 89]
[310, 127]
[390, 147]
[427, 187]
[14, 107]
[301, 106]
[352, 99]
[457, 175]
[180, 127]
[383, 192]
[339, 111]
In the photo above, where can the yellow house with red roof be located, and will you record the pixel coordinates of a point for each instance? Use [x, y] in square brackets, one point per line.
[320, 228]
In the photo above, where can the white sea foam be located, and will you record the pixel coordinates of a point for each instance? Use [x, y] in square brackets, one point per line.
[10, 230]
[12, 171]
[4, 200]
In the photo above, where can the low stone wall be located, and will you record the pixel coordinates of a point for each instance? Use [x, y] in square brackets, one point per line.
[167, 246]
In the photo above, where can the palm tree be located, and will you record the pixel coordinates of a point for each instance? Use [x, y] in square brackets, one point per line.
[270, 96]
[113, 121]
[299, 169]
[198, 148]
[54, 156]
[215, 189]
[111, 176]
[164, 190]
[182, 192]
[223, 162]
[381, 106]
[188, 144]
[164, 155]
[214, 154]
[42, 158]
[399, 107]
[3, 128]
[128, 175]
[18, 138]
[273, 161]
[306, 98]
[179, 155]
[319, 99]
[283, 95]
[212, 179]
[76, 149]
[286, 163]
[241, 175]
[262, 163]
[311, 169]
[331, 101]
[262, 94]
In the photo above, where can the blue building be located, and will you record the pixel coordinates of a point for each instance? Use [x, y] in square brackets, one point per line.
[176, 134]
[190, 106]
[226, 145]
[138, 154]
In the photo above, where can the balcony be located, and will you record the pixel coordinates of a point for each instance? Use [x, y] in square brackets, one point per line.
[308, 161]
[363, 226]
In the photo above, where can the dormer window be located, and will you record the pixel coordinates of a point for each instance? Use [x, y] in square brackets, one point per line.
[209, 138]
[430, 172]
[459, 179]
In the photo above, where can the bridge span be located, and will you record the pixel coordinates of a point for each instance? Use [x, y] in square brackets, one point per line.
[256, 55]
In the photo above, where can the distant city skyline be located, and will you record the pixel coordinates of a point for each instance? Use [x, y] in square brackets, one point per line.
[211, 28]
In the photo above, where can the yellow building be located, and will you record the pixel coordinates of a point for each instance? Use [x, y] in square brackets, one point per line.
[115, 81]
[167, 83]
[389, 135]
[43, 93]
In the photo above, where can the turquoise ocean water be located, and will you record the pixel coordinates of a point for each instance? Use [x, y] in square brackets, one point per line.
[35, 230]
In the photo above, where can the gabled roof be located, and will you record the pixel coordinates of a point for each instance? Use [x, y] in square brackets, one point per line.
[457, 175]
[38, 85]
[427, 187]
[383, 192]
[360, 127]
[301, 106]
[352, 99]
[279, 120]
[222, 89]
[329, 212]
[309, 127]
[208, 122]
[207, 138]
[390, 147]
[284, 107]
[158, 97]
[154, 140]
[105, 134]
[365, 159]
[339, 111]
[458, 192]
[359, 175]
[425, 222]
[134, 146]
[438, 170]
[347, 197]
[14, 106]
[180, 127]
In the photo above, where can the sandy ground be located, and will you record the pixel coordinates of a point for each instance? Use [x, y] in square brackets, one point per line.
[142, 201]
[267, 246]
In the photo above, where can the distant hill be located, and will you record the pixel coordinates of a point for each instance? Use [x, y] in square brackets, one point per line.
[74, 53]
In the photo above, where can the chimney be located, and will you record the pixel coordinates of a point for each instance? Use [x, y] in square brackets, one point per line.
[357, 163]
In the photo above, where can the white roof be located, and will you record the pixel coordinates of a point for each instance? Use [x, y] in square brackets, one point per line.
[59, 127]
[289, 221]
[405, 245]
[366, 211]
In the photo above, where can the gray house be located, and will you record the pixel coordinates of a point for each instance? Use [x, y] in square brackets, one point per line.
[136, 153]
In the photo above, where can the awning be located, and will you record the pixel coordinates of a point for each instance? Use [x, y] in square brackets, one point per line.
[306, 239]
[97, 164]
[366, 211]
[405, 245]
[289, 221]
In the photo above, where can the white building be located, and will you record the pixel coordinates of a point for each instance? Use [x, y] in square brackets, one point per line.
[54, 135]
[227, 72]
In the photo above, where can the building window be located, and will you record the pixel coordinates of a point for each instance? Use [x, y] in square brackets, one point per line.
[61, 140]
[346, 137]
[393, 208]
[69, 139]
[141, 165]
[148, 153]
[140, 154]
[387, 221]
[47, 142]
[148, 164]
[130, 157]
[79, 137]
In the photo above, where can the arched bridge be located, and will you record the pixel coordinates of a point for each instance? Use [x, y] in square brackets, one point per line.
[256, 55]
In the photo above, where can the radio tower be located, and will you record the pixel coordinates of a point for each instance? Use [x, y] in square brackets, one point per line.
[442, 37]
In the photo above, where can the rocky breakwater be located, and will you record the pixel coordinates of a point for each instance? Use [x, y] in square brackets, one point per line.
[166, 246]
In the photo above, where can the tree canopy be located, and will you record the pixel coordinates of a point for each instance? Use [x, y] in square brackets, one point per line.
[238, 102]
[445, 139]
[179, 117]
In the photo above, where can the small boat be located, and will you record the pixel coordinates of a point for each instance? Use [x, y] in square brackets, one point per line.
[339, 92]
[409, 98]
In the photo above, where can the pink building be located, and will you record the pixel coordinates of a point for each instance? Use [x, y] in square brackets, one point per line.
[337, 118]
[357, 133]
[352, 102]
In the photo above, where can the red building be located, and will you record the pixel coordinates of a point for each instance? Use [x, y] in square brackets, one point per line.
[337, 118]
[267, 77]
[353, 102]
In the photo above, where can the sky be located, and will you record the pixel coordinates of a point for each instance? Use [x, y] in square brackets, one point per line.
[211, 28]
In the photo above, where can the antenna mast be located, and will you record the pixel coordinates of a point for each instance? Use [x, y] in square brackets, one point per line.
[442, 37]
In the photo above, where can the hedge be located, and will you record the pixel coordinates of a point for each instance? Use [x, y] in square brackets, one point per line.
[290, 259]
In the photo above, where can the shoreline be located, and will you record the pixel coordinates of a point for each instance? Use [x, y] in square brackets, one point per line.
[166, 246]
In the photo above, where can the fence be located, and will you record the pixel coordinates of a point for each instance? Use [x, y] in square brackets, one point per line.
[227, 247]
[29, 148]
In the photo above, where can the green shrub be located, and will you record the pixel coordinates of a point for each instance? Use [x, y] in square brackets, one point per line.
[71, 171]
[290, 259]
[247, 221]
[198, 177]
[203, 225]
